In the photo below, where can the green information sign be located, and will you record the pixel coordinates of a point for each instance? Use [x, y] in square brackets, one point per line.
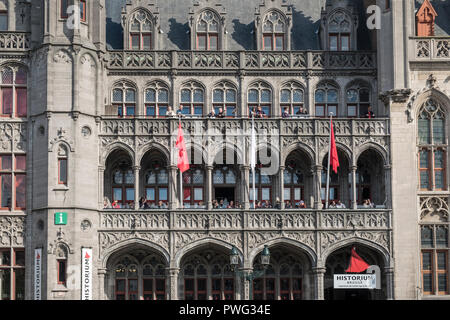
[60, 218]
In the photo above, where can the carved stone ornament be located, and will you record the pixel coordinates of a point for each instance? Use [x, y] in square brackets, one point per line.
[60, 239]
[61, 137]
[434, 206]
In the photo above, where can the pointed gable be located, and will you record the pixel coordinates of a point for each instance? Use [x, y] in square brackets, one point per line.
[425, 18]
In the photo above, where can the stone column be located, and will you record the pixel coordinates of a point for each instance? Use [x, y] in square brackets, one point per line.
[173, 280]
[354, 191]
[317, 186]
[247, 293]
[318, 274]
[136, 187]
[387, 186]
[173, 202]
[101, 193]
[101, 283]
[281, 184]
[389, 271]
[245, 187]
[209, 185]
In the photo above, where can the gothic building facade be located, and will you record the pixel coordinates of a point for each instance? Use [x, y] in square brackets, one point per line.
[87, 129]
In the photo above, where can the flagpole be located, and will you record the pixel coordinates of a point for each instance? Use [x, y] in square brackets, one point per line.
[328, 169]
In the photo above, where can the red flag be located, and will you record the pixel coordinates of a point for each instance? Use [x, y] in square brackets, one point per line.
[357, 264]
[334, 160]
[183, 162]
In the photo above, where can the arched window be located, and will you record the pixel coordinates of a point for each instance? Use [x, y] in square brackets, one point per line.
[339, 32]
[13, 92]
[140, 29]
[432, 147]
[126, 280]
[154, 280]
[292, 98]
[193, 187]
[61, 261]
[12, 181]
[260, 97]
[358, 101]
[156, 100]
[63, 165]
[326, 100]
[156, 184]
[208, 31]
[263, 188]
[195, 282]
[192, 99]
[124, 100]
[225, 97]
[274, 32]
[123, 185]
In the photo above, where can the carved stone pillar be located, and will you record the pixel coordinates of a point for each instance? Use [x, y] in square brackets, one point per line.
[245, 187]
[173, 202]
[318, 274]
[354, 197]
[173, 280]
[281, 186]
[389, 283]
[247, 293]
[209, 192]
[317, 186]
[101, 283]
[387, 186]
[101, 193]
[136, 187]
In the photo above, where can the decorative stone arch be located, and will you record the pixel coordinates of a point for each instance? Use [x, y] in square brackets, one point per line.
[117, 146]
[432, 93]
[203, 11]
[373, 146]
[309, 252]
[261, 146]
[337, 15]
[215, 149]
[266, 7]
[307, 150]
[151, 13]
[152, 145]
[384, 253]
[61, 141]
[181, 253]
[130, 243]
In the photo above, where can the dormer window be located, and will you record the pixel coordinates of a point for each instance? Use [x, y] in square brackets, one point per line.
[274, 32]
[207, 31]
[339, 30]
[141, 31]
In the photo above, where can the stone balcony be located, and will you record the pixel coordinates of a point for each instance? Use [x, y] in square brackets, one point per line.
[430, 49]
[241, 60]
[241, 220]
[14, 41]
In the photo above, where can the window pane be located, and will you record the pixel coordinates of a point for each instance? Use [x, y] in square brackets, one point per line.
[253, 96]
[364, 95]
[442, 282]
[201, 26]
[424, 159]
[265, 194]
[218, 96]
[427, 237]
[441, 261]
[427, 283]
[213, 26]
[279, 43]
[231, 178]
[20, 284]
[351, 111]
[439, 179]
[298, 193]
[130, 194]
[424, 131]
[265, 96]
[163, 194]
[5, 284]
[285, 96]
[198, 110]
[198, 194]
[131, 95]
[333, 43]
[287, 194]
[213, 43]
[332, 96]
[21, 102]
[187, 194]
[150, 111]
[62, 271]
[320, 96]
[6, 162]
[198, 95]
[20, 258]
[201, 40]
[186, 95]
[320, 111]
[20, 191]
[6, 191]
[163, 95]
[352, 95]
[231, 111]
[5, 257]
[150, 194]
[21, 163]
[7, 100]
[146, 39]
[7, 76]
[198, 177]
[441, 237]
[3, 21]
[135, 45]
[117, 194]
[130, 110]
[438, 131]
[333, 110]
[117, 95]
[298, 96]
[150, 95]
[424, 180]
[268, 43]
[162, 111]
[345, 43]
[231, 95]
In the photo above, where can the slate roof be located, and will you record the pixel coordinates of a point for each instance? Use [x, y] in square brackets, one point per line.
[240, 16]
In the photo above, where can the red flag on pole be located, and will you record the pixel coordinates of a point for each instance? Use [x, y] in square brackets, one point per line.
[183, 161]
[357, 264]
[334, 160]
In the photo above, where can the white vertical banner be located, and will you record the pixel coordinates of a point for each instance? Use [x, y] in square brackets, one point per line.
[37, 274]
[86, 274]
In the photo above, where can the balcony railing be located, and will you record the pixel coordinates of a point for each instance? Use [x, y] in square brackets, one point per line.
[234, 220]
[306, 126]
[14, 41]
[248, 60]
[431, 48]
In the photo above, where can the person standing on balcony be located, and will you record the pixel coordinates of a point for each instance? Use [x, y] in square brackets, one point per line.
[170, 112]
[285, 113]
[369, 113]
